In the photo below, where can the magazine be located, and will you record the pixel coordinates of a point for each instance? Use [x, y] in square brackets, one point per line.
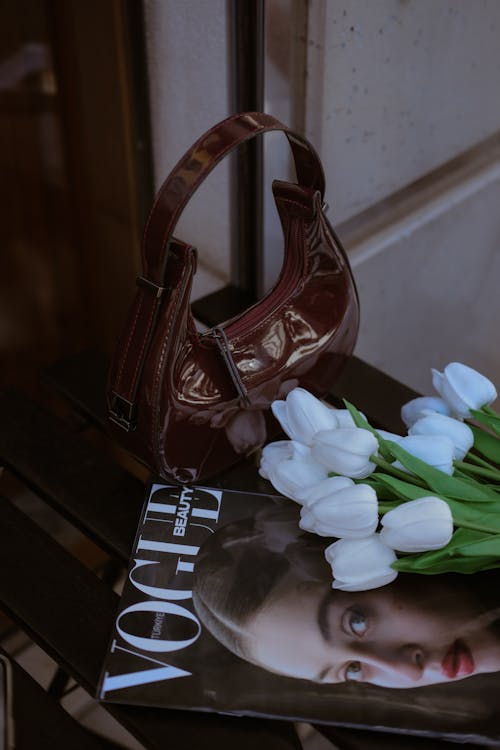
[228, 607]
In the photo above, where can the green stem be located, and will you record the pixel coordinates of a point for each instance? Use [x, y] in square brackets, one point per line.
[390, 469]
[491, 412]
[479, 470]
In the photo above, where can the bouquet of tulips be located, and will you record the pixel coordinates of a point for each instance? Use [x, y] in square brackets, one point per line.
[427, 502]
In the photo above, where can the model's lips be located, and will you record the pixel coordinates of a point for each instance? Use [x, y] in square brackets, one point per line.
[457, 661]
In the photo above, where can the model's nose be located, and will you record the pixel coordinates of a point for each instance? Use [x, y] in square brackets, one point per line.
[407, 660]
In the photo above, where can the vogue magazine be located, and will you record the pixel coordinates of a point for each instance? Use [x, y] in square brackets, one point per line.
[228, 607]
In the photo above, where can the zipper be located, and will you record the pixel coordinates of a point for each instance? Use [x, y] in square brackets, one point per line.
[258, 312]
[225, 349]
[292, 274]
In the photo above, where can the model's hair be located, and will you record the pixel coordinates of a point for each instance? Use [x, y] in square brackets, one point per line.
[242, 563]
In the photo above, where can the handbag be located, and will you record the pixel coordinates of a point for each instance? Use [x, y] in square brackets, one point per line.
[190, 404]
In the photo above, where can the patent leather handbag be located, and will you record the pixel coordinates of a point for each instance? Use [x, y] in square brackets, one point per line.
[189, 404]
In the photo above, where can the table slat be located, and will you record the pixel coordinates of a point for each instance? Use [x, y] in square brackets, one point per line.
[70, 613]
[41, 723]
[69, 473]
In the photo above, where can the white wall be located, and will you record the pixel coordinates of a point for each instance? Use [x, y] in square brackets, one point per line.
[395, 89]
[189, 92]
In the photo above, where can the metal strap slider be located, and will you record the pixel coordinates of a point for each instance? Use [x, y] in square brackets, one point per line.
[150, 286]
[123, 412]
[225, 349]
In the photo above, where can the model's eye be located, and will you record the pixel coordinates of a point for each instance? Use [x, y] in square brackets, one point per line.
[358, 623]
[353, 672]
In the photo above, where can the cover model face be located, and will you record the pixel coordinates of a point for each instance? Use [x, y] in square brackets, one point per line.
[412, 633]
[263, 589]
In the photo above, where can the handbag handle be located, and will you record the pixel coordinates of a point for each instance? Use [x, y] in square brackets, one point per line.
[195, 166]
[170, 201]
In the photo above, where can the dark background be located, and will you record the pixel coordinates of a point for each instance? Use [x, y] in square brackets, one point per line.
[75, 176]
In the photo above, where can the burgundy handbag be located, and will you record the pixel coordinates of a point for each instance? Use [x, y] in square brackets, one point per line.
[189, 404]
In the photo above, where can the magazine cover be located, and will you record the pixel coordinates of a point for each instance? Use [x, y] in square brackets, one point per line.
[228, 607]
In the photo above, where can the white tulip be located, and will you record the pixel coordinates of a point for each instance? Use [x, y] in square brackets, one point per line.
[419, 407]
[346, 451]
[349, 512]
[302, 415]
[459, 433]
[361, 564]
[463, 388]
[326, 488]
[281, 450]
[293, 477]
[435, 451]
[418, 525]
[345, 419]
[390, 436]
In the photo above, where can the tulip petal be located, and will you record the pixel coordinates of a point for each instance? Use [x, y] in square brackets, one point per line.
[279, 410]
[471, 386]
[306, 415]
[389, 436]
[463, 388]
[344, 418]
[346, 451]
[361, 563]
[419, 407]
[326, 488]
[293, 477]
[456, 404]
[373, 583]
[458, 432]
[273, 454]
[437, 451]
[418, 525]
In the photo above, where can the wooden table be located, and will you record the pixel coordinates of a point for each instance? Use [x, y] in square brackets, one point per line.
[68, 609]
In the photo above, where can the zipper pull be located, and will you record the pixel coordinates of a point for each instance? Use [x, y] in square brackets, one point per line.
[224, 347]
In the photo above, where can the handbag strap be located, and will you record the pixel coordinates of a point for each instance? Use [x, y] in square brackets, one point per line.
[197, 164]
[170, 201]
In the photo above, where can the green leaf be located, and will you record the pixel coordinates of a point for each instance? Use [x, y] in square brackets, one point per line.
[360, 421]
[487, 409]
[384, 492]
[479, 473]
[491, 421]
[402, 489]
[478, 514]
[468, 543]
[486, 444]
[481, 513]
[440, 482]
[451, 565]
[468, 552]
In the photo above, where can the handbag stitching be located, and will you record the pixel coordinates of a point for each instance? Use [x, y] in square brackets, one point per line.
[144, 340]
[274, 314]
[159, 371]
[293, 202]
[129, 341]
